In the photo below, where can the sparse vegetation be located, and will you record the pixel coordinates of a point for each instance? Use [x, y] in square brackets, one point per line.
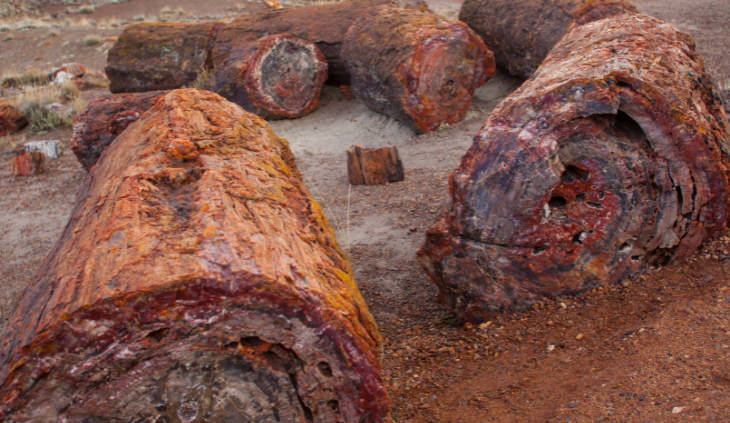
[35, 77]
[92, 40]
[204, 81]
[86, 9]
[36, 104]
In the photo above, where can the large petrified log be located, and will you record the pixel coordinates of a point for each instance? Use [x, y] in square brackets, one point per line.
[105, 118]
[158, 56]
[278, 76]
[197, 280]
[522, 32]
[415, 66]
[611, 157]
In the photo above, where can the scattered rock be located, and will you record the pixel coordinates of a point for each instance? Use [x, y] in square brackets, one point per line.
[11, 119]
[677, 410]
[74, 69]
[27, 163]
[64, 111]
[373, 165]
[49, 148]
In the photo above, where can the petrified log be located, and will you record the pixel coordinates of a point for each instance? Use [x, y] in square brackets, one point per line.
[11, 119]
[105, 118]
[415, 66]
[157, 56]
[197, 280]
[373, 165]
[27, 163]
[522, 32]
[278, 76]
[608, 159]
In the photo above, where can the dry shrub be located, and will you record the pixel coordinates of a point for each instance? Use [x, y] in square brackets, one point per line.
[32, 103]
[34, 77]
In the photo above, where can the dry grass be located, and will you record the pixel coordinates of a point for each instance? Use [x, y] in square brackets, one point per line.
[92, 40]
[34, 101]
[10, 143]
[34, 77]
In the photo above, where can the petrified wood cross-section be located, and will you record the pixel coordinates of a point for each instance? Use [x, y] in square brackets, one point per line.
[522, 32]
[196, 280]
[611, 157]
[415, 66]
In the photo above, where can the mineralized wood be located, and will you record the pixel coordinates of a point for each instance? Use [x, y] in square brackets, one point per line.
[522, 32]
[11, 119]
[611, 157]
[278, 76]
[28, 163]
[157, 56]
[105, 118]
[373, 165]
[415, 66]
[197, 280]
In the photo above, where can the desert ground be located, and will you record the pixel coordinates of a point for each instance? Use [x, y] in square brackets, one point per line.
[652, 349]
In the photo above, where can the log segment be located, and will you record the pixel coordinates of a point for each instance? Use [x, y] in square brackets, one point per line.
[275, 77]
[11, 119]
[196, 280]
[611, 157]
[415, 66]
[157, 56]
[373, 165]
[105, 118]
[522, 32]
[27, 163]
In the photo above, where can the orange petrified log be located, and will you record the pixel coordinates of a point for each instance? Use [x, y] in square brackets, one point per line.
[373, 165]
[197, 280]
[612, 157]
[105, 118]
[415, 66]
[522, 32]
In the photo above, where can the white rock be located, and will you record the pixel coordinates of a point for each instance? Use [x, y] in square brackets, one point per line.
[49, 148]
[677, 410]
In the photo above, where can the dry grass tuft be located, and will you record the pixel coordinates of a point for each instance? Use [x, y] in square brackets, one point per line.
[204, 81]
[34, 77]
[92, 40]
[33, 103]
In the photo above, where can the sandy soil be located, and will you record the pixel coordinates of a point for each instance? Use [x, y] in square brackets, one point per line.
[654, 349]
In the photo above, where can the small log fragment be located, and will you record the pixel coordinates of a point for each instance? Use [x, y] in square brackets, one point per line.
[157, 56]
[522, 32]
[278, 76]
[104, 119]
[197, 280]
[415, 66]
[28, 163]
[613, 156]
[11, 119]
[373, 165]
[49, 148]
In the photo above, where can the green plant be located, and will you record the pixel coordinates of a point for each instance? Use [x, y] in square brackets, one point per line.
[92, 40]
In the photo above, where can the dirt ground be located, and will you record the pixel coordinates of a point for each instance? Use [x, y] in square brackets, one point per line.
[653, 349]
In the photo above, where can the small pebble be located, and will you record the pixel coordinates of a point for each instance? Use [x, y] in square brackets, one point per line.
[677, 410]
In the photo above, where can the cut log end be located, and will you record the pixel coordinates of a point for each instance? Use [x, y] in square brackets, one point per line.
[373, 166]
[28, 163]
[286, 77]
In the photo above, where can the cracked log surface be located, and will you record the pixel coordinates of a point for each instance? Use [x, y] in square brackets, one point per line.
[196, 280]
[105, 118]
[611, 157]
[415, 66]
[522, 32]
[275, 77]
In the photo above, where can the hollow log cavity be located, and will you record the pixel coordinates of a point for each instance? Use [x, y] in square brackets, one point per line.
[612, 157]
[415, 66]
[197, 281]
[522, 32]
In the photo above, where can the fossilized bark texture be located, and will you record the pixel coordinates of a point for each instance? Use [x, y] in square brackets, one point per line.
[608, 159]
[373, 165]
[522, 32]
[28, 163]
[157, 56]
[197, 280]
[11, 119]
[278, 76]
[104, 119]
[415, 66]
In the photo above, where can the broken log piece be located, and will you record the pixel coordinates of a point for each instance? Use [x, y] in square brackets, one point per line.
[522, 32]
[11, 119]
[610, 158]
[104, 119]
[325, 25]
[157, 56]
[27, 163]
[196, 280]
[275, 77]
[415, 66]
[373, 165]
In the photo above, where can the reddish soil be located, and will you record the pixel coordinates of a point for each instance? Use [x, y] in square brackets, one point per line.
[653, 349]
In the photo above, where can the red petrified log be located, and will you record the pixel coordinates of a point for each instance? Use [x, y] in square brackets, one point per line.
[157, 56]
[11, 119]
[197, 280]
[522, 32]
[373, 165]
[415, 66]
[611, 157]
[27, 164]
[278, 76]
[105, 118]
